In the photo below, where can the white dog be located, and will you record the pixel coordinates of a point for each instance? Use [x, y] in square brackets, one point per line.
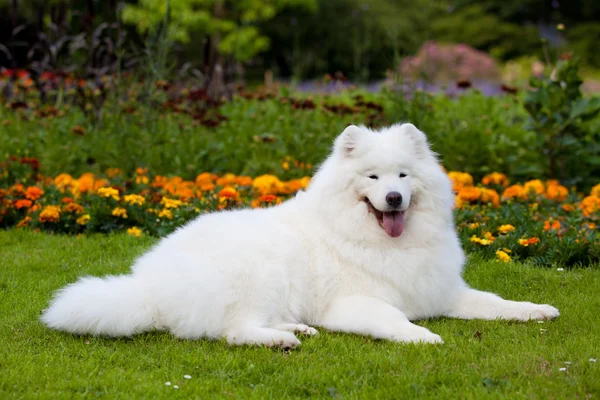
[367, 248]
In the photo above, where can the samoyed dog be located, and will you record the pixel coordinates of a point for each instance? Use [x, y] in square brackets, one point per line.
[367, 248]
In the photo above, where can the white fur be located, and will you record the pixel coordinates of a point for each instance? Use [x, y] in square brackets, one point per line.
[321, 258]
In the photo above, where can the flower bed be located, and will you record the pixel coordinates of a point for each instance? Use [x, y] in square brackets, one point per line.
[541, 221]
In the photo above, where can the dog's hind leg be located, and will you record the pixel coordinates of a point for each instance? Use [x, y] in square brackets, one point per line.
[254, 335]
[297, 328]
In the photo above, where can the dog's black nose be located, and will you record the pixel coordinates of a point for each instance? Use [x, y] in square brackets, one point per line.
[394, 199]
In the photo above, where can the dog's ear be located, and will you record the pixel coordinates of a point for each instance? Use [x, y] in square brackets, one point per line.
[418, 138]
[348, 140]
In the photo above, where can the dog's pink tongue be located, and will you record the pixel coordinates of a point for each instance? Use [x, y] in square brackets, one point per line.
[393, 223]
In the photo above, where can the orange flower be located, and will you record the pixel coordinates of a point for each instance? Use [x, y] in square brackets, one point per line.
[267, 184]
[595, 191]
[590, 205]
[556, 192]
[226, 180]
[73, 208]
[568, 207]
[159, 181]
[112, 172]
[460, 180]
[243, 181]
[63, 180]
[24, 222]
[535, 186]
[469, 194]
[50, 214]
[495, 178]
[67, 200]
[228, 193]
[266, 199]
[512, 192]
[23, 203]
[86, 182]
[489, 196]
[551, 224]
[526, 242]
[18, 190]
[33, 193]
[141, 171]
[205, 178]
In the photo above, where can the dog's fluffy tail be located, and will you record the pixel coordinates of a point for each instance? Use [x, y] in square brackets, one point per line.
[111, 306]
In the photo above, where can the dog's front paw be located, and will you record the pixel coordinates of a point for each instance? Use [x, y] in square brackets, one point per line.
[530, 311]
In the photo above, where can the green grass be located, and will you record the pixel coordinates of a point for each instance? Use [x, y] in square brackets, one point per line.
[479, 359]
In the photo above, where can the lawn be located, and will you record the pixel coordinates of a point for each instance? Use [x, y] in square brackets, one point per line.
[479, 359]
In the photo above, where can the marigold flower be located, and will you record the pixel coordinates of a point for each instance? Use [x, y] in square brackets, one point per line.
[589, 205]
[568, 207]
[487, 239]
[503, 256]
[141, 171]
[24, 222]
[469, 194]
[556, 192]
[205, 178]
[67, 200]
[134, 199]
[134, 231]
[591, 226]
[506, 228]
[50, 214]
[551, 224]
[18, 190]
[159, 181]
[23, 203]
[63, 180]
[460, 180]
[226, 180]
[595, 191]
[86, 182]
[141, 179]
[119, 212]
[512, 192]
[109, 192]
[266, 199]
[489, 196]
[112, 172]
[170, 203]
[526, 242]
[535, 186]
[166, 213]
[228, 193]
[267, 184]
[33, 193]
[84, 219]
[243, 181]
[495, 178]
[73, 208]
[474, 225]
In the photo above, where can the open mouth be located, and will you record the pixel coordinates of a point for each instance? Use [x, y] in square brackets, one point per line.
[392, 222]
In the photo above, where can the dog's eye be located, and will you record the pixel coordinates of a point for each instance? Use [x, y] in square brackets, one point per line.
[373, 177]
[403, 175]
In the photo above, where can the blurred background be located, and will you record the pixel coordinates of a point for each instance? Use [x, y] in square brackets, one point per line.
[307, 42]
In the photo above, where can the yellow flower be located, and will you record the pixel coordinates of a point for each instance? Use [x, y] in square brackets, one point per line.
[474, 225]
[50, 214]
[285, 165]
[166, 213]
[141, 179]
[134, 231]
[503, 256]
[460, 180]
[506, 228]
[170, 203]
[134, 199]
[485, 241]
[267, 184]
[84, 219]
[109, 192]
[119, 212]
